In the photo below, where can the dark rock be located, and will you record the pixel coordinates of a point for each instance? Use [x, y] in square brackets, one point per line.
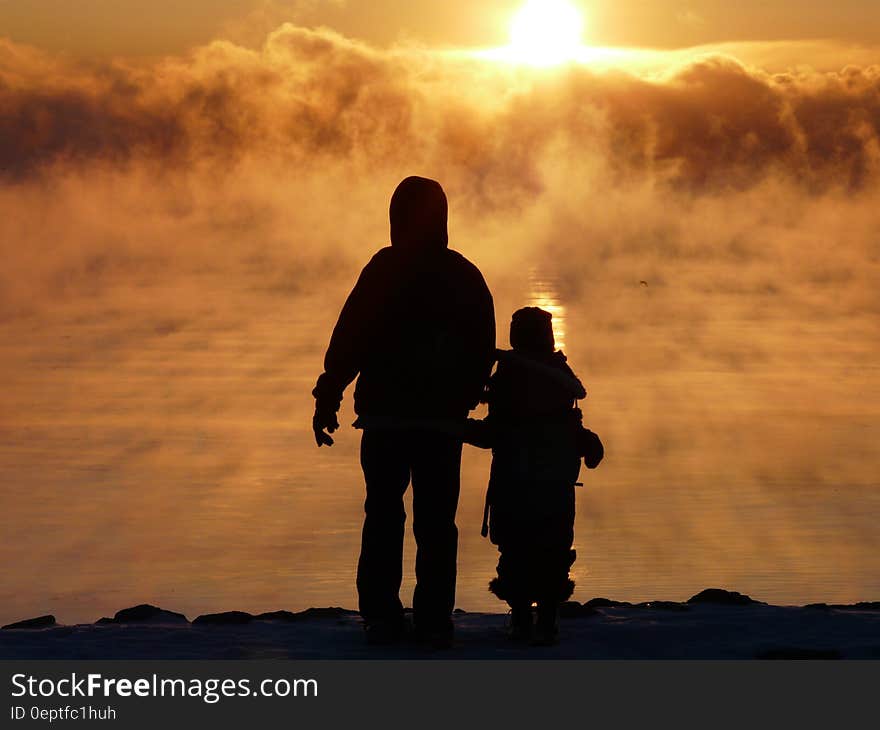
[793, 652]
[333, 612]
[330, 612]
[573, 609]
[606, 603]
[146, 613]
[664, 606]
[104, 620]
[459, 612]
[40, 622]
[863, 606]
[719, 596]
[228, 618]
[860, 606]
[283, 616]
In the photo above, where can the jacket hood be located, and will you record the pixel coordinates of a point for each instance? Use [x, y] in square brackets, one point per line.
[418, 215]
[531, 330]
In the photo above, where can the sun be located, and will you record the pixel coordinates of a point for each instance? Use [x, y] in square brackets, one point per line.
[546, 32]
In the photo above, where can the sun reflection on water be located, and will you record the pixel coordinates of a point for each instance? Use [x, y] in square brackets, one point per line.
[543, 294]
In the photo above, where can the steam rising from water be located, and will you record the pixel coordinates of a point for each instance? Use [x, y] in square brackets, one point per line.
[178, 238]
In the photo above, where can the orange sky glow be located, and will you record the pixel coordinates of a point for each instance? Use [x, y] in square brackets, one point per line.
[161, 26]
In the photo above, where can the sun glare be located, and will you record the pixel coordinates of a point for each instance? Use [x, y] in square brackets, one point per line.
[546, 32]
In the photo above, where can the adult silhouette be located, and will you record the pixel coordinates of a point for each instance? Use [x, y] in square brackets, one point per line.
[418, 332]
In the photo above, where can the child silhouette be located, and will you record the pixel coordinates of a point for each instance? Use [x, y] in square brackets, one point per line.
[535, 431]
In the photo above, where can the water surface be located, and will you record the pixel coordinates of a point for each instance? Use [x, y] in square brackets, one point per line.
[169, 459]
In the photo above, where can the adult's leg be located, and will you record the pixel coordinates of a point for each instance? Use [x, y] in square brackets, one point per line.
[436, 481]
[385, 461]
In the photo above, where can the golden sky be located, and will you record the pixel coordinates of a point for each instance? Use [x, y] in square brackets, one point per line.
[171, 26]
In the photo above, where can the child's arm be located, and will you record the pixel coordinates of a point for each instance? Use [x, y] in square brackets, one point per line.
[478, 432]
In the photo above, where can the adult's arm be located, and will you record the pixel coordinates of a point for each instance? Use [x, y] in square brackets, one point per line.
[346, 351]
[484, 337]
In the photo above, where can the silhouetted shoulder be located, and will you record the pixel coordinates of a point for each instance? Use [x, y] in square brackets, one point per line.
[386, 252]
[382, 257]
[380, 271]
[467, 268]
[460, 259]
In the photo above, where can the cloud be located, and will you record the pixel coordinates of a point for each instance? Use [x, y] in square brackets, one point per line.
[313, 94]
[277, 163]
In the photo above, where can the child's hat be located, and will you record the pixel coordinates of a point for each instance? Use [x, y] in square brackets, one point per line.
[531, 330]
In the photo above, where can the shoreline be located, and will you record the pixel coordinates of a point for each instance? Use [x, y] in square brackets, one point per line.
[713, 624]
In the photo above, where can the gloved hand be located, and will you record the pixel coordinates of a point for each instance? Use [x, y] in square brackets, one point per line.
[591, 448]
[324, 418]
[327, 402]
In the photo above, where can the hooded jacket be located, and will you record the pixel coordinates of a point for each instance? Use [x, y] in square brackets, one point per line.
[418, 329]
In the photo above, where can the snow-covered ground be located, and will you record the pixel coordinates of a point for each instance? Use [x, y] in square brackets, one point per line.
[598, 629]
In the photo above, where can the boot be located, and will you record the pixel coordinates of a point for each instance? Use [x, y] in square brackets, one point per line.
[436, 635]
[547, 625]
[520, 622]
[387, 631]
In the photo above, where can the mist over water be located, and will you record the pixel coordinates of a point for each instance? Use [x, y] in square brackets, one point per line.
[176, 466]
[178, 240]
